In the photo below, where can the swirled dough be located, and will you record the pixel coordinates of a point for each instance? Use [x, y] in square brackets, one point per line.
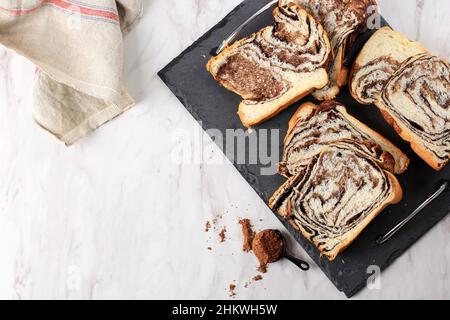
[416, 101]
[335, 197]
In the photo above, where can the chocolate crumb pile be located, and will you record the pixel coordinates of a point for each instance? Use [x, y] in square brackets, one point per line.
[232, 291]
[268, 247]
[214, 225]
[222, 235]
[207, 226]
[258, 278]
[248, 233]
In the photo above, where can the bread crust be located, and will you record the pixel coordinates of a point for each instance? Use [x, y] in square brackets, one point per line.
[308, 109]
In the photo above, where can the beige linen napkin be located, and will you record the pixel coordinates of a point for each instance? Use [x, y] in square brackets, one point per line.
[77, 46]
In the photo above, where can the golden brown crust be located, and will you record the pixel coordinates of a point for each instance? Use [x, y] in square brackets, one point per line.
[280, 107]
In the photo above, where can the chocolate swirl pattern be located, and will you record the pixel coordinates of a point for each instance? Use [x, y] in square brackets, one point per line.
[335, 197]
[371, 78]
[343, 21]
[380, 58]
[416, 101]
[276, 66]
[314, 128]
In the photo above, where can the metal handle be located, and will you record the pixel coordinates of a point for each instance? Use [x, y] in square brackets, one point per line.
[236, 32]
[299, 263]
[397, 228]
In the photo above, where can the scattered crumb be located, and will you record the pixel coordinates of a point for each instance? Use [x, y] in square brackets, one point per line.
[258, 278]
[232, 291]
[262, 268]
[222, 235]
[207, 226]
[209, 248]
[248, 233]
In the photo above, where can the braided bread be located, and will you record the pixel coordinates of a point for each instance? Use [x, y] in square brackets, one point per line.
[334, 198]
[381, 56]
[343, 21]
[276, 66]
[416, 102]
[313, 128]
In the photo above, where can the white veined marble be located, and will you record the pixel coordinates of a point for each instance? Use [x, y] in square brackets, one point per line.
[114, 217]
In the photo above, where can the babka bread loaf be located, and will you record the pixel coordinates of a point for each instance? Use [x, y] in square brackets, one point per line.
[380, 57]
[343, 21]
[314, 128]
[334, 198]
[416, 102]
[276, 66]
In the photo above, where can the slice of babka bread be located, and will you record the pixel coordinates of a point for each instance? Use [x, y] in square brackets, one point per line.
[276, 66]
[314, 128]
[343, 21]
[416, 102]
[380, 57]
[334, 198]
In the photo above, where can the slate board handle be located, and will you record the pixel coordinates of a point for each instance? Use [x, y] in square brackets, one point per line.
[444, 186]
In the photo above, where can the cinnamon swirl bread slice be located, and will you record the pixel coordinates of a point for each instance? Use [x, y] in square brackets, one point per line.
[334, 198]
[276, 66]
[314, 128]
[380, 57]
[344, 21]
[416, 102]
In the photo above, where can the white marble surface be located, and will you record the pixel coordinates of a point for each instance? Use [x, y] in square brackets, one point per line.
[114, 217]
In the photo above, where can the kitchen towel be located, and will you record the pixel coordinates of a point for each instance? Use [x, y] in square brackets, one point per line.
[77, 46]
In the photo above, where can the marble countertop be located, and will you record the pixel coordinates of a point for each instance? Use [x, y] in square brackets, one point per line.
[114, 217]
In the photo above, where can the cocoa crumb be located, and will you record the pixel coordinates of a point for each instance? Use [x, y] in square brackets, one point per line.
[232, 291]
[209, 248]
[258, 278]
[248, 233]
[222, 235]
[262, 268]
[207, 226]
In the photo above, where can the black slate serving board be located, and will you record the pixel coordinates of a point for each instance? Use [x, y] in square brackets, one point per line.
[214, 107]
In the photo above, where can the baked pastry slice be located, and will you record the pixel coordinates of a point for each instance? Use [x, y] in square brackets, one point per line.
[416, 102]
[276, 66]
[334, 198]
[380, 57]
[344, 21]
[314, 128]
